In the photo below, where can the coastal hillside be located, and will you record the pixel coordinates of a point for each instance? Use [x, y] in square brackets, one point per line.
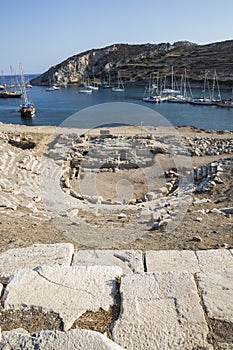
[137, 62]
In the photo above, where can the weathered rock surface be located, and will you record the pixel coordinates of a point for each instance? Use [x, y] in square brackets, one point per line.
[217, 293]
[38, 254]
[68, 291]
[51, 340]
[215, 260]
[136, 62]
[171, 260]
[130, 261]
[184, 301]
[160, 311]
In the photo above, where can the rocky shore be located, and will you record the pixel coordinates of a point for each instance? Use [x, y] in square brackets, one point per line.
[129, 229]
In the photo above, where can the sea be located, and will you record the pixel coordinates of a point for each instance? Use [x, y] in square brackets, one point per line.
[54, 107]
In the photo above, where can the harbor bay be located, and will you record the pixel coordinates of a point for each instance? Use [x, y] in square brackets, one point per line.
[52, 108]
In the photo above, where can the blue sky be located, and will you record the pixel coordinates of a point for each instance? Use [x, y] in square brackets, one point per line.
[42, 33]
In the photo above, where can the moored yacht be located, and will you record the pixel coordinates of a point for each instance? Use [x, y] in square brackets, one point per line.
[120, 86]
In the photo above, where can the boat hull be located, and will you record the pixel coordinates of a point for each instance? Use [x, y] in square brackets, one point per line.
[85, 91]
[225, 105]
[118, 90]
[27, 111]
[10, 95]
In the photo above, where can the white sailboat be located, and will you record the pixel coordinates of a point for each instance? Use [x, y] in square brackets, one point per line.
[226, 103]
[210, 98]
[170, 91]
[149, 95]
[183, 97]
[52, 87]
[85, 91]
[107, 85]
[120, 86]
[92, 86]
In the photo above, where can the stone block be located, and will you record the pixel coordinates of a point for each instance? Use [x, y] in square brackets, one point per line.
[217, 294]
[68, 291]
[30, 257]
[171, 260]
[50, 340]
[215, 260]
[160, 311]
[131, 261]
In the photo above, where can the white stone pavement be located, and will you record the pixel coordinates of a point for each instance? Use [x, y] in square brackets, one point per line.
[169, 299]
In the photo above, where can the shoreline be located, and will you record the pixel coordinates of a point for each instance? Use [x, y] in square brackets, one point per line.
[9, 127]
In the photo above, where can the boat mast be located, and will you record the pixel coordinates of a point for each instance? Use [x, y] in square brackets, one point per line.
[24, 97]
[3, 80]
[185, 82]
[172, 79]
[157, 90]
[219, 92]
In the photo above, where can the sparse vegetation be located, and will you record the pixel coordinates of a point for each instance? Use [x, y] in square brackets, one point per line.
[149, 58]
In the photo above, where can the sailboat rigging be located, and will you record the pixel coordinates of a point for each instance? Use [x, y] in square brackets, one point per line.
[27, 108]
[120, 85]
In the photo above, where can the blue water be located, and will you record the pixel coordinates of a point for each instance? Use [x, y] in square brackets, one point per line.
[52, 108]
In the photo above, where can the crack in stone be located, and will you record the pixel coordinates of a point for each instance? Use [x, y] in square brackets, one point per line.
[144, 261]
[177, 310]
[199, 292]
[2, 294]
[198, 261]
[62, 285]
[122, 258]
[71, 260]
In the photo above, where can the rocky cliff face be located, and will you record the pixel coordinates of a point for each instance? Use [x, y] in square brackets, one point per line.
[137, 62]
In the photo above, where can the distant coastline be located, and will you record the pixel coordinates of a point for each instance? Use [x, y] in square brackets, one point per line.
[137, 62]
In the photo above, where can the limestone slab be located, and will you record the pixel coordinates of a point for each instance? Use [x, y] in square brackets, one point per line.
[160, 311]
[50, 340]
[68, 291]
[171, 260]
[217, 294]
[131, 261]
[30, 257]
[215, 260]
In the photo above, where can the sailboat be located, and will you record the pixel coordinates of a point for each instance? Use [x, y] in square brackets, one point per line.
[6, 93]
[182, 97]
[226, 103]
[205, 100]
[52, 87]
[149, 95]
[170, 91]
[107, 85]
[85, 90]
[120, 85]
[27, 108]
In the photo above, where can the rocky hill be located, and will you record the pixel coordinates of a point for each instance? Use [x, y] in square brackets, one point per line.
[137, 62]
